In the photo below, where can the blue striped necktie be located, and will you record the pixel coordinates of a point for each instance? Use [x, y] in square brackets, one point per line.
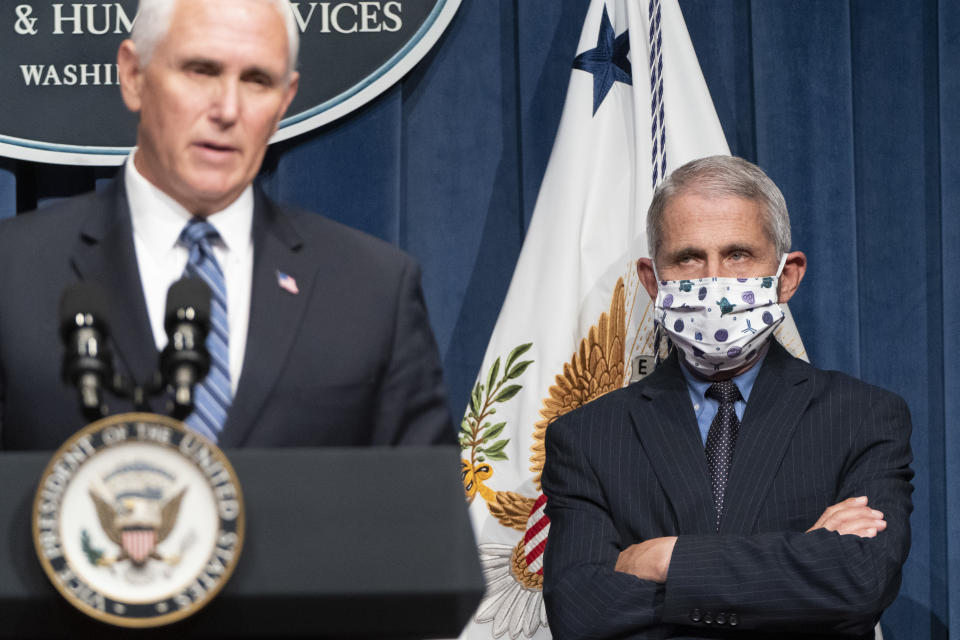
[213, 396]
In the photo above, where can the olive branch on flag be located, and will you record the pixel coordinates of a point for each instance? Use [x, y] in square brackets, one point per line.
[477, 432]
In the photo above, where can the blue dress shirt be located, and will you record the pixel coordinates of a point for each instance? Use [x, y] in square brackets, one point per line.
[706, 408]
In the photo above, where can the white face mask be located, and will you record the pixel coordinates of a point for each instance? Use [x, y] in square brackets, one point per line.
[720, 324]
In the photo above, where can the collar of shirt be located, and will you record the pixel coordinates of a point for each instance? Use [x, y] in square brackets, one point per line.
[706, 408]
[158, 219]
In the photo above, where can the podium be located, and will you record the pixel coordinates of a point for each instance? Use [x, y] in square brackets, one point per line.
[365, 543]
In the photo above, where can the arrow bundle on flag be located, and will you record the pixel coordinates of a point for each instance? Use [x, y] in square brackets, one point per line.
[576, 322]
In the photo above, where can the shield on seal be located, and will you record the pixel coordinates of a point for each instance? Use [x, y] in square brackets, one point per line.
[139, 543]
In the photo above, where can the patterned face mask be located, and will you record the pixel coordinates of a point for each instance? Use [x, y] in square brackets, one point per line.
[720, 324]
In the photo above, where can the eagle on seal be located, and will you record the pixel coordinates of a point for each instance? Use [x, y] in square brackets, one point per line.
[137, 523]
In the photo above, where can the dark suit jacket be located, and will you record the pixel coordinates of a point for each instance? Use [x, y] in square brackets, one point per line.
[351, 360]
[630, 466]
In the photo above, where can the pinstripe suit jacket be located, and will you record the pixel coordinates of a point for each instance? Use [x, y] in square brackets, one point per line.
[630, 466]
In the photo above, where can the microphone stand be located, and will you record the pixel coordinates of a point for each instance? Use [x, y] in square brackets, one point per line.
[125, 387]
[182, 364]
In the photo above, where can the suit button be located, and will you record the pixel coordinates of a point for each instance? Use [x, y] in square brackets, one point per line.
[708, 618]
[695, 615]
[734, 620]
[721, 618]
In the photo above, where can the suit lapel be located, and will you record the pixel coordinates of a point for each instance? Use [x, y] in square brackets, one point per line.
[666, 425]
[275, 315]
[778, 399]
[104, 253]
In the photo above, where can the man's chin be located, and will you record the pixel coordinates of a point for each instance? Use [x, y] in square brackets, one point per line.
[203, 199]
[209, 191]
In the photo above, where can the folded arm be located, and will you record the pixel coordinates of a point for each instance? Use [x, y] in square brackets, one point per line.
[819, 580]
[837, 577]
[584, 595]
[650, 559]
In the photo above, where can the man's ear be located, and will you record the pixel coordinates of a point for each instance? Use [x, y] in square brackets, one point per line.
[793, 270]
[131, 75]
[647, 277]
[292, 87]
[288, 95]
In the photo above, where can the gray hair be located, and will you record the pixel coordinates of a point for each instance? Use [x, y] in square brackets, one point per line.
[722, 176]
[154, 17]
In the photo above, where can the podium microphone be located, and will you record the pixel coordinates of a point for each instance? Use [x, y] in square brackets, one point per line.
[185, 360]
[87, 361]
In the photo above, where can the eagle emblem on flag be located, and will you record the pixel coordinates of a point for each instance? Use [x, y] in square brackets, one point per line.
[514, 575]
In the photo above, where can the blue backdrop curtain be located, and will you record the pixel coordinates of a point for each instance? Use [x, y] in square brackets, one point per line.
[846, 104]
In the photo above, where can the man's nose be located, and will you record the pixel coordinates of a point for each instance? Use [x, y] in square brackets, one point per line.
[226, 102]
[713, 268]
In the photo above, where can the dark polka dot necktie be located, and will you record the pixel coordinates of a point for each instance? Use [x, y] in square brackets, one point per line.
[721, 439]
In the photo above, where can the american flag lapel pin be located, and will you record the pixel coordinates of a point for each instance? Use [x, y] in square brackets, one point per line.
[287, 282]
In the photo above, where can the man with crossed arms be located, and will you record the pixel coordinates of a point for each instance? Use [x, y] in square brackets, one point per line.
[736, 491]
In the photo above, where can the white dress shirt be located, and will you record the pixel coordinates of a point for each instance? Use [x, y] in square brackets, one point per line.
[158, 221]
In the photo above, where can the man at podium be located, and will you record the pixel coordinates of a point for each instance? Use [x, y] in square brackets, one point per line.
[319, 333]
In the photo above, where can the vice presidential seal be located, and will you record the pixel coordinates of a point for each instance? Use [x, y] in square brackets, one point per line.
[138, 521]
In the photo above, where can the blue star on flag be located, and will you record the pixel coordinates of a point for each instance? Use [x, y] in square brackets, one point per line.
[607, 61]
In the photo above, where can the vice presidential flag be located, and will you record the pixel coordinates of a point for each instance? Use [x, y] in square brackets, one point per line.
[576, 322]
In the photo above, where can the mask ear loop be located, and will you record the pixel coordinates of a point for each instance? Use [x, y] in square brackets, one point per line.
[783, 261]
[657, 336]
[657, 329]
[661, 356]
[661, 351]
[662, 344]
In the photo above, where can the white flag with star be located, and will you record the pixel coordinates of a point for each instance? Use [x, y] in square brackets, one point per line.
[576, 323]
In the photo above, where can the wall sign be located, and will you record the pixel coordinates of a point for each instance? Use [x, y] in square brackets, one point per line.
[61, 102]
